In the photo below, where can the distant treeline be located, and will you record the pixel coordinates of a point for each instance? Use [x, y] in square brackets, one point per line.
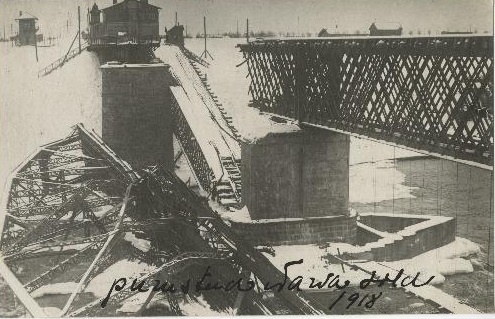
[267, 34]
[255, 34]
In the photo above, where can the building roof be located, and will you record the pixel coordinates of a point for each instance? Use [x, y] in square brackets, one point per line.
[122, 2]
[95, 8]
[322, 32]
[176, 28]
[26, 16]
[386, 25]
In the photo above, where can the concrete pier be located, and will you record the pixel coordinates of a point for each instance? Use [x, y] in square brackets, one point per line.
[296, 175]
[137, 121]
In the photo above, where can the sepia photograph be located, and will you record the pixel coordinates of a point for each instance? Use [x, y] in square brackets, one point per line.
[232, 158]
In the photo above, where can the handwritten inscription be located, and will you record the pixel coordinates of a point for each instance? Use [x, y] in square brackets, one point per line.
[369, 298]
[331, 280]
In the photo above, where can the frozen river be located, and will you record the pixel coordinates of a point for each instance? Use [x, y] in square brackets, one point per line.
[411, 184]
[37, 110]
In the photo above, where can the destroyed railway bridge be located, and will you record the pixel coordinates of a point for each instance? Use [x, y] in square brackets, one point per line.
[77, 198]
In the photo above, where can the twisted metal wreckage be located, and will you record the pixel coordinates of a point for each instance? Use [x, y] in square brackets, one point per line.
[69, 210]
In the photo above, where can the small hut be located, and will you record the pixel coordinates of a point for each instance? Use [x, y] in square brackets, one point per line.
[27, 29]
[175, 35]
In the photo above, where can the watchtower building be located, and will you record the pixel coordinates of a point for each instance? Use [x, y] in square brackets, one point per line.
[127, 31]
[27, 29]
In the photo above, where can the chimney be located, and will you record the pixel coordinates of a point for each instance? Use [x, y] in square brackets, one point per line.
[114, 1]
[20, 13]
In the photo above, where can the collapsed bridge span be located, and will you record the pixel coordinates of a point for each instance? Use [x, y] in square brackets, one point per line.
[76, 221]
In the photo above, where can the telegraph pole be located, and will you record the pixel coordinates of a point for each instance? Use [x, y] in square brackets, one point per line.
[205, 52]
[298, 29]
[36, 45]
[79, 25]
[247, 30]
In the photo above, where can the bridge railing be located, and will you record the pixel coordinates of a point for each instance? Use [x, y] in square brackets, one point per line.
[428, 93]
[60, 62]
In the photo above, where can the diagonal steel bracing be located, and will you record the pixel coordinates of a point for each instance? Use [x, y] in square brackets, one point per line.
[430, 94]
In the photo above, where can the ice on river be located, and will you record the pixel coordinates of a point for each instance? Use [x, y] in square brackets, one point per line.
[453, 258]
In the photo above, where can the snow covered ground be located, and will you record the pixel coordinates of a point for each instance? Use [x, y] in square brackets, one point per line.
[36, 110]
[454, 258]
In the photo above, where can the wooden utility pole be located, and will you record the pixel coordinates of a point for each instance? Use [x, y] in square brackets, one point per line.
[176, 18]
[36, 45]
[247, 30]
[79, 25]
[205, 52]
[298, 29]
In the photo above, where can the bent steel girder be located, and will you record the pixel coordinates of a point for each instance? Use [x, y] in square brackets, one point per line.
[430, 94]
[74, 228]
[56, 206]
[196, 213]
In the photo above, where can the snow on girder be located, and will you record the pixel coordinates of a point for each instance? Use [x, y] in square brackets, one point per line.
[203, 128]
[199, 97]
[97, 144]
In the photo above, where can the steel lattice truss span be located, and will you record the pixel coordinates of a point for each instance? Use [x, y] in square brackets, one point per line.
[432, 94]
[74, 210]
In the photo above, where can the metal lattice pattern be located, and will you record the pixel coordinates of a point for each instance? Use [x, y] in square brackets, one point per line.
[78, 224]
[431, 93]
[191, 147]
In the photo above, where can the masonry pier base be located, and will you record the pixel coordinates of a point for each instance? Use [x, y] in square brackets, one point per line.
[137, 121]
[297, 185]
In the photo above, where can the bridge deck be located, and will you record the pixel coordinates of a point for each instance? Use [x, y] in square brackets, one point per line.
[207, 138]
[202, 101]
[204, 129]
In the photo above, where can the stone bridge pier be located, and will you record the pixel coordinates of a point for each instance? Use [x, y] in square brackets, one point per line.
[297, 185]
[136, 118]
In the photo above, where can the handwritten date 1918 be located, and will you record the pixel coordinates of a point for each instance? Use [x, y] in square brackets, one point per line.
[353, 298]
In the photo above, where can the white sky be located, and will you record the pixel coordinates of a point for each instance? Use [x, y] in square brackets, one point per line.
[275, 15]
